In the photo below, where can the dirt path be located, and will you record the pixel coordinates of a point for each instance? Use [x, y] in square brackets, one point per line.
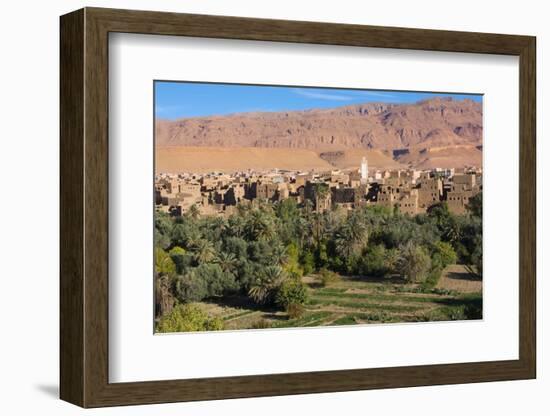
[456, 277]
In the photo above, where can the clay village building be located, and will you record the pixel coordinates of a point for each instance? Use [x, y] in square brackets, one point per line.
[409, 191]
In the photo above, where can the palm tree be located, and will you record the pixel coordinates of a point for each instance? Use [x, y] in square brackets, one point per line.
[304, 228]
[192, 239]
[164, 299]
[452, 230]
[193, 211]
[204, 251]
[260, 226]
[227, 262]
[344, 244]
[236, 226]
[242, 209]
[308, 208]
[351, 237]
[321, 192]
[279, 254]
[263, 288]
[359, 230]
[216, 228]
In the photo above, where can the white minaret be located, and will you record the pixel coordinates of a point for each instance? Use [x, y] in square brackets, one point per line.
[364, 170]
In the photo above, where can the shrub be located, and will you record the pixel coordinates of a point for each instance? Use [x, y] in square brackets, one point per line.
[308, 262]
[190, 288]
[161, 240]
[163, 263]
[475, 205]
[378, 261]
[444, 254]
[391, 260]
[295, 311]
[181, 259]
[291, 292]
[328, 277]
[292, 264]
[321, 255]
[433, 277]
[414, 262]
[188, 318]
[217, 281]
[476, 268]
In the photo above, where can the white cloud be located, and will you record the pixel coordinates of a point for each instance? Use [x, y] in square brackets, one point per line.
[376, 94]
[334, 96]
[321, 95]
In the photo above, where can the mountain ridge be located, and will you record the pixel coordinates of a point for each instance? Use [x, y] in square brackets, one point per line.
[431, 123]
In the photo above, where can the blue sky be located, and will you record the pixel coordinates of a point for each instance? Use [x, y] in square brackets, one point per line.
[186, 99]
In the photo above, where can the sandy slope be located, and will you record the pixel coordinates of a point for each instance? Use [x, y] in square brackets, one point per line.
[227, 159]
[444, 157]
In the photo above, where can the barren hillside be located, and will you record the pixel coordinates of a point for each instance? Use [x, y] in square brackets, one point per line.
[406, 133]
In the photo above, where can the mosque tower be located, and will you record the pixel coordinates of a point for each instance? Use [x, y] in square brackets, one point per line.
[364, 170]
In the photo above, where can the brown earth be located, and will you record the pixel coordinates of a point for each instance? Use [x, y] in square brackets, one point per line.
[227, 159]
[456, 277]
[442, 157]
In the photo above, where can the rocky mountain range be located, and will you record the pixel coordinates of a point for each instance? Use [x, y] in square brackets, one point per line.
[438, 132]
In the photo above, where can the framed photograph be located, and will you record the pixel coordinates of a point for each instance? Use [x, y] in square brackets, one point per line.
[255, 207]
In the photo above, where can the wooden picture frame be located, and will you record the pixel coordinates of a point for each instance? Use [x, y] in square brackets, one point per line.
[84, 207]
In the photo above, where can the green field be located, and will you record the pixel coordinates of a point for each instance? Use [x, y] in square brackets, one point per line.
[356, 300]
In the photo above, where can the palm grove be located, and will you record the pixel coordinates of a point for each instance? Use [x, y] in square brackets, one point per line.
[263, 251]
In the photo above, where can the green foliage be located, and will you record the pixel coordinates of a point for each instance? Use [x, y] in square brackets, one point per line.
[163, 263]
[414, 262]
[228, 262]
[163, 223]
[443, 254]
[461, 307]
[254, 250]
[400, 230]
[204, 281]
[266, 284]
[433, 277]
[161, 240]
[236, 246]
[190, 288]
[295, 311]
[476, 262]
[292, 266]
[328, 278]
[351, 237]
[321, 255]
[373, 263]
[181, 259]
[217, 281]
[186, 318]
[475, 205]
[308, 262]
[259, 225]
[291, 292]
[203, 251]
